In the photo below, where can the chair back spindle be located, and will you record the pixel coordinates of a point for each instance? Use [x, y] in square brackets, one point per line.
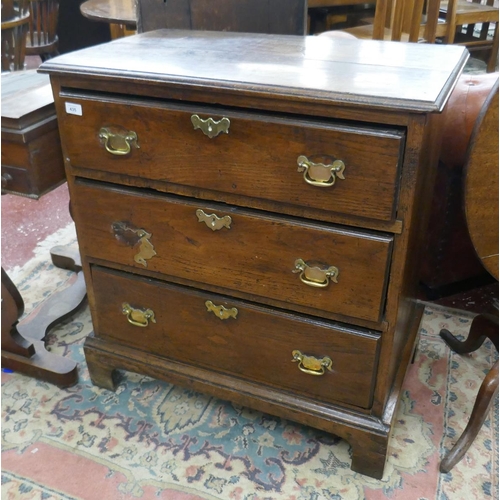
[42, 39]
[403, 20]
[473, 24]
[15, 20]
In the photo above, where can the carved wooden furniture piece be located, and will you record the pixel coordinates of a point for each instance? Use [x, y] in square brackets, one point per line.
[23, 346]
[32, 160]
[483, 326]
[481, 210]
[249, 209]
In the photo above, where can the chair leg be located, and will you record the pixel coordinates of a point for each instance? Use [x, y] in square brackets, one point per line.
[492, 61]
[451, 16]
[481, 407]
[483, 326]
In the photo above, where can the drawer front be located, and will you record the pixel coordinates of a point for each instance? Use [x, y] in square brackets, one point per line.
[258, 157]
[311, 265]
[250, 342]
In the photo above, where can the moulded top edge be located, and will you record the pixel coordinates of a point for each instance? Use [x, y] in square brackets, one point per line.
[394, 75]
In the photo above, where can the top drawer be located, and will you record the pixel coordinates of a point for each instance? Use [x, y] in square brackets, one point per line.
[308, 163]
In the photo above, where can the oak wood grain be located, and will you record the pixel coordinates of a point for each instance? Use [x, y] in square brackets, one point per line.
[375, 101]
[256, 157]
[481, 184]
[417, 77]
[257, 254]
[255, 345]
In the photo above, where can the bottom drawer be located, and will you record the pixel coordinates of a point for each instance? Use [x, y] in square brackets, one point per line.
[319, 359]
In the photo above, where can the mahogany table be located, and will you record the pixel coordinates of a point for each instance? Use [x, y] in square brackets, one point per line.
[120, 14]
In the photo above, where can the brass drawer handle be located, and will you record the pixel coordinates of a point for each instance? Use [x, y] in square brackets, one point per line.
[210, 127]
[138, 317]
[319, 174]
[314, 275]
[220, 311]
[213, 221]
[135, 237]
[118, 144]
[312, 365]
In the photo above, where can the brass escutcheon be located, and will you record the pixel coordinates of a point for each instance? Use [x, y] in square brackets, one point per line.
[214, 222]
[310, 364]
[118, 144]
[210, 127]
[314, 275]
[138, 317]
[138, 238]
[220, 311]
[319, 174]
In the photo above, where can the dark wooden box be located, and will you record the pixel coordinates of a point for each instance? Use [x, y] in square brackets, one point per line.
[32, 161]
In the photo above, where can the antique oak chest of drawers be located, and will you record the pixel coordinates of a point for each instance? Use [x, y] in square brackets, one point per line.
[249, 209]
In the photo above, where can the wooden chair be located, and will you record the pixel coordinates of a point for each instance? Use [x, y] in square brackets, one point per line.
[481, 209]
[251, 16]
[15, 19]
[403, 20]
[326, 15]
[468, 23]
[42, 34]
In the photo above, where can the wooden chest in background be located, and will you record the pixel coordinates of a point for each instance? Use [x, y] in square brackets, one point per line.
[32, 161]
[249, 210]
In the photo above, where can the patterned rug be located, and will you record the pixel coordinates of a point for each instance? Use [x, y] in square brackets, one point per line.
[153, 440]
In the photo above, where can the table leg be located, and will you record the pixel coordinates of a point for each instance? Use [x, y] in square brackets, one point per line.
[23, 349]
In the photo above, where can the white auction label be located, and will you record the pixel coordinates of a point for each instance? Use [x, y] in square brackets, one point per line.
[73, 109]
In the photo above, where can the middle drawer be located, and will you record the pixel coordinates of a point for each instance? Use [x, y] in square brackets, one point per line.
[287, 260]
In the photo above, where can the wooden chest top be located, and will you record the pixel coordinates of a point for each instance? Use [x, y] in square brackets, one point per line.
[26, 100]
[383, 75]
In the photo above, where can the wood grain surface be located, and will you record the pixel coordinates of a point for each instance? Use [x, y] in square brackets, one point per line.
[256, 158]
[481, 184]
[374, 104]
[256, 345]
[408, 77]
[257, 254]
